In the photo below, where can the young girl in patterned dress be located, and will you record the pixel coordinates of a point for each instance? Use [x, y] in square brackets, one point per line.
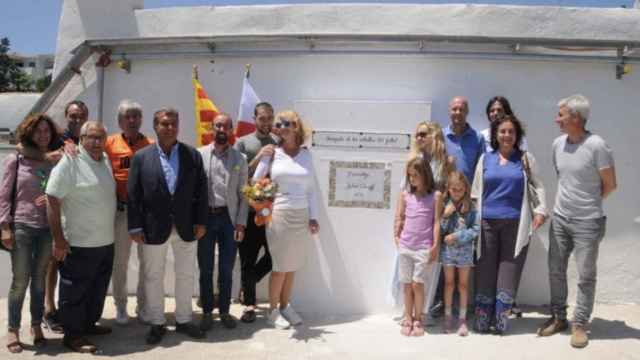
[459, 230]
[416, 236]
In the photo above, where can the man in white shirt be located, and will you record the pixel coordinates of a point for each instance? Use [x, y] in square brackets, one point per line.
[81, 210]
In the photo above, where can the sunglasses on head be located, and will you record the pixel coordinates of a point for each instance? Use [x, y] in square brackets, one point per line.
[284, 124]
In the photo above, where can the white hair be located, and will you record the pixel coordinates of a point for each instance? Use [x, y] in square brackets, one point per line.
[91, 124]
[577, 104]
[126, 106]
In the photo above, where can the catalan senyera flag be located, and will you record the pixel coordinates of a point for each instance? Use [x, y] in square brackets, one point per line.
[248, 101]
[206, 111]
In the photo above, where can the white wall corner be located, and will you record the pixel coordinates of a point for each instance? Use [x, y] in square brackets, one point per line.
[89, 19]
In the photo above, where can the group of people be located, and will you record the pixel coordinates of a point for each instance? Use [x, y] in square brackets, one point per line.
[76, 202]
[474, 200]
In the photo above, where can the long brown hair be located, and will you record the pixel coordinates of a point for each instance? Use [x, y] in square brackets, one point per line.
[422, 167]
[26, 129]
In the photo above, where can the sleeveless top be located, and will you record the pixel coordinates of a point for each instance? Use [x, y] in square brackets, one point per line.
[417, 232]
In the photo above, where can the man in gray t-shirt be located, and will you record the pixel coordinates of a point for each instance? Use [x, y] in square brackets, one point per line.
[254, 146]
[586, 175]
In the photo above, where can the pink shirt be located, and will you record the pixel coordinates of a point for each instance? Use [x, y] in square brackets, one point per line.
[32, 176]
[419, 212]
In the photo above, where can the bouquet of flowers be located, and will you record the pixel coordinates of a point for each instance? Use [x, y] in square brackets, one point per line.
[260, 196]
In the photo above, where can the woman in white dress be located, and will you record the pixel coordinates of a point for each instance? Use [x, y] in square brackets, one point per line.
[295, 214]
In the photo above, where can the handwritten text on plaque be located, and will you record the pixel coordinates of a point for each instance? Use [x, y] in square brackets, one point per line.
[359, 184]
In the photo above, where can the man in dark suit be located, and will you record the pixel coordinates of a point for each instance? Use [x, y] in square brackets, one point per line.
[168, 204]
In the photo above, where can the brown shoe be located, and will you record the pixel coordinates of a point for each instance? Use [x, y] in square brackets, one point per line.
[553, 326]
[579, 337]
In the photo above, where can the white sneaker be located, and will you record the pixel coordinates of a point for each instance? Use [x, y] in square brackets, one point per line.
[278, 321]
[122, 318]
[292, 316]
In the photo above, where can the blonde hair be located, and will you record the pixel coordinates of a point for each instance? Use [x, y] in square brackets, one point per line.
[457, 176]
[300, 129]
[437, 150]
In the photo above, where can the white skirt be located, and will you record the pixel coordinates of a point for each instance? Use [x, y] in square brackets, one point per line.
[289, 239]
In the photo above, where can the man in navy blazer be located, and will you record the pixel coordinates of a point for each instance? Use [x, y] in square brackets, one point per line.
[167, 204]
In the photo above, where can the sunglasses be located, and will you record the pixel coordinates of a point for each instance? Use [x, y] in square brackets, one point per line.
[422, 134]
[283, 124]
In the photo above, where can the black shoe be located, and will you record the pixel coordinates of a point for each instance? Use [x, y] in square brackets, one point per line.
[79, 344]
[190, 330]
[51, 321]
[248, 316]
[155, 334]
[207, 322]
[228, 321]
[98, 330]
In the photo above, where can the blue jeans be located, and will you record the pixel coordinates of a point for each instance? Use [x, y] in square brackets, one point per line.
[29, 259]
[220, 231]
[582, 237]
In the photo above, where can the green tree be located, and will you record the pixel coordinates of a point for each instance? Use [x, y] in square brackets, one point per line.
[43, 83]
[11, 77]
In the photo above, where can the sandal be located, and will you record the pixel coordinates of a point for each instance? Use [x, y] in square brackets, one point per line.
[39, 340]
[417, 330]
[15, 347]
[406, 327]
[13, 344]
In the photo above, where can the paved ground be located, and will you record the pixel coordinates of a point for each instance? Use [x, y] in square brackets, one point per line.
[615, 334]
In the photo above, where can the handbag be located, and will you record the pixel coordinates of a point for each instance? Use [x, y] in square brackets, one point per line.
[12, 211]
[532, 192]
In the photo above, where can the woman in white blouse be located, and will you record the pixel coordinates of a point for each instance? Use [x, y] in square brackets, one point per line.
[295, 214]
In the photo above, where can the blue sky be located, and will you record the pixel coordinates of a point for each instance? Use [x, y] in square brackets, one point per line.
[32, 25]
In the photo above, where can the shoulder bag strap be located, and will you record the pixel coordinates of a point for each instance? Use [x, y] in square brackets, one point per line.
[14, 188]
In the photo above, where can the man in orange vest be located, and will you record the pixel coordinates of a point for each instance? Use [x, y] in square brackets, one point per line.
[120, 148]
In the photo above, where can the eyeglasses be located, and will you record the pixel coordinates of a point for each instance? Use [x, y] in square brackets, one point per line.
[284, 124]
[221, 126]
[422, 134]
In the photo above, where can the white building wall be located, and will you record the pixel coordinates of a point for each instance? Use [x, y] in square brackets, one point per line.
[359, 259]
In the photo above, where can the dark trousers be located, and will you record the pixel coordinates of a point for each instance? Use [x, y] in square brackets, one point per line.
[220, 231]
[84, 280]
[497, 273]
[253, 270]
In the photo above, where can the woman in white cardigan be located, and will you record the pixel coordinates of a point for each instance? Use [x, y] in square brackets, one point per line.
[507, 221]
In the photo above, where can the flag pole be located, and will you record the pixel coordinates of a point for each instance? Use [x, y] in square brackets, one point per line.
[195, 71]
[247, 72]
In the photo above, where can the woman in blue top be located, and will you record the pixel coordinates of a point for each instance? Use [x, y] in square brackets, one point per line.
[507, 221]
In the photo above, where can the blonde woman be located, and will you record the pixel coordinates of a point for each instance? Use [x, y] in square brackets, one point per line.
[295, 214]
[428, 142]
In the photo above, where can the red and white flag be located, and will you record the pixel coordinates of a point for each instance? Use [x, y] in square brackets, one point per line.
[248, 101]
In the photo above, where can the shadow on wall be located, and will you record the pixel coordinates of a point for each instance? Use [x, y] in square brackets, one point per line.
[328, 285]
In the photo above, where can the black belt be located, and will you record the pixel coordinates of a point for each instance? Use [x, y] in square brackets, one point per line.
[121, 206]
[218, 210]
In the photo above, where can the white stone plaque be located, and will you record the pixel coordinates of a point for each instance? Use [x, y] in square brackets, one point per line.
[359, 184]
[354, 139]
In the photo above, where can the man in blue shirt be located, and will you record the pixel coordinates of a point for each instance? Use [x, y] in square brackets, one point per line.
[465, 145]
[463, 142]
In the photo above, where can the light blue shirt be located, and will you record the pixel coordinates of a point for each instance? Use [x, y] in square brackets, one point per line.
[170, 166]
[466, 149]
